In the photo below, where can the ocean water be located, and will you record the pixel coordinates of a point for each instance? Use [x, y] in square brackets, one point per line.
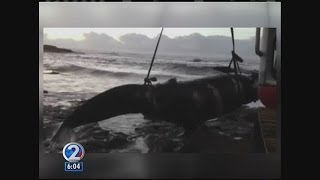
[84, 75]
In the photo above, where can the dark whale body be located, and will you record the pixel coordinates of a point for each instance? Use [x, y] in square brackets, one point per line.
[185, 103]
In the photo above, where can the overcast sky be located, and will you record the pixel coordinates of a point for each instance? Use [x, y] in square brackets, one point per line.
[206, 41]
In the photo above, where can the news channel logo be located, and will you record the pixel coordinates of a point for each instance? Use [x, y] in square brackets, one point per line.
[73, 152]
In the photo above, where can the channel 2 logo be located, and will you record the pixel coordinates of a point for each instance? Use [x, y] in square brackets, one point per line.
[73, 152]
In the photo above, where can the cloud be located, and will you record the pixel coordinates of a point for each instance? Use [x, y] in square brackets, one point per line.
[194, 44]
[137, 42]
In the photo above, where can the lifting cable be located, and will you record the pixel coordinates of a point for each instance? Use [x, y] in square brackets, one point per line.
[147, 80]
[235, 59]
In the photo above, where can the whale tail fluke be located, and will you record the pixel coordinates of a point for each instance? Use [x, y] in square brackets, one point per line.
[63, 136]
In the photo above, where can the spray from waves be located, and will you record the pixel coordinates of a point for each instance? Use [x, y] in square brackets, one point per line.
[125, 66]
[142, 59]
[163, 71]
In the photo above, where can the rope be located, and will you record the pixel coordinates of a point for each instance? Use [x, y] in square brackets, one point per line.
[232, 35]
[235, 58]
[147, 81]
[232, 38]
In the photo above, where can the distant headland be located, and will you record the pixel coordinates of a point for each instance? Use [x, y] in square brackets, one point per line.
[50, 48]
